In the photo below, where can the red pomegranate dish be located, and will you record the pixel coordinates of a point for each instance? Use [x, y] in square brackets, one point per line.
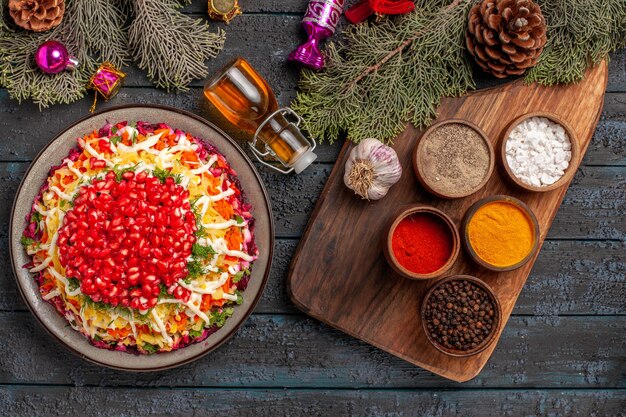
[142, 238]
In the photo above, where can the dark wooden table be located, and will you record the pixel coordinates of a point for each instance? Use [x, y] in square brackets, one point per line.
[562, 353]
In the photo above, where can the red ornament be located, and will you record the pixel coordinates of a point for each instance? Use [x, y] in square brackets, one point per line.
[365, 8]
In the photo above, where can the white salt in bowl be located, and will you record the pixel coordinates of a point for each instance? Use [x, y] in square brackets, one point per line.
[568, 172]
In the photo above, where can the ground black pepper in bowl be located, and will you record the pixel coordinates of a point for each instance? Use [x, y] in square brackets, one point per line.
[461, 315]
[453, 159]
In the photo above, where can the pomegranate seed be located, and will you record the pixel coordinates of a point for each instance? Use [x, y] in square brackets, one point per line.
[179, 274]
[146, 290]
[179, 292]
[141, 177]
[155, 240]
[150, 279]
[100, 283]
[133, 279]
[136, 233]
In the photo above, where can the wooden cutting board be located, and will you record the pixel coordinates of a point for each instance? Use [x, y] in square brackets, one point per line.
[339, 274]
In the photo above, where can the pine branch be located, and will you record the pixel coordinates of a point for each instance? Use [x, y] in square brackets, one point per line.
[169, 45]
[391, 54]
[4, 31]
[384, 75]
[91, 30]
[580, 33]
[3, 25]
[103, 30]
[387, 74]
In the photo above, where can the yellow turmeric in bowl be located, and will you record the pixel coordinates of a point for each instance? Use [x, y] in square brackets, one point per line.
[501, 233]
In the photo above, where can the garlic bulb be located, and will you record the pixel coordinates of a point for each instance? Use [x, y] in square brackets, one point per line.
[371, 169]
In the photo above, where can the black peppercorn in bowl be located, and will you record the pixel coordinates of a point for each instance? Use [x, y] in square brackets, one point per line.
[461, 315]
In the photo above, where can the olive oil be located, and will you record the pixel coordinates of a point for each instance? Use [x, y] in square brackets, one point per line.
[245, 99]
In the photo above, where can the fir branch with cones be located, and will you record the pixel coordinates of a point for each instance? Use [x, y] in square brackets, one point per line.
[170, 46]
[381, 76]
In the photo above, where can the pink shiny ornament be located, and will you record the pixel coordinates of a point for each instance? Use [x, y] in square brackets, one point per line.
[52, 57]
[320, 22]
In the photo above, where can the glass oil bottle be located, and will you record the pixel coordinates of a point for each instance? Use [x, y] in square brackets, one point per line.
[245, 99]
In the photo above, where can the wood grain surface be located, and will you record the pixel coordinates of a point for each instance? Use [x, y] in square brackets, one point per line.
[338, 274]
[283, 363]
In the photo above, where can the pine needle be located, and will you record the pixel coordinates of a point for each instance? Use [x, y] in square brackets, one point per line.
[172, 47]
[580, 33]
[91, 30]
[169, 45]
[385, 75]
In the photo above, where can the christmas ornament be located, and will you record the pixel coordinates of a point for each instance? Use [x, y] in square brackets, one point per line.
[106, 81]
[170, 46]
[506, 37]
[37, 15]
[224, 10]
[320, 22]
[365, 8]
[52, 57]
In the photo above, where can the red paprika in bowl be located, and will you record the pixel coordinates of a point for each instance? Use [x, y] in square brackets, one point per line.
[421, 243]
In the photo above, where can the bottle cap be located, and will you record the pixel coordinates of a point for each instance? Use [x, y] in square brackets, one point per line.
[304, 161]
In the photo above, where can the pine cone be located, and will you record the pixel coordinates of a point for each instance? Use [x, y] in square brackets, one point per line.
[37, 15]
[506, 36]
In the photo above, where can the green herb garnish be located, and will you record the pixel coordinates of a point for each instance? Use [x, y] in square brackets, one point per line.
[218, 318]
[74, 283]
[194, 201]
[163, 292]
[239, 275]
[36, 218]
[163, 174]
[26, 241]
[195, 268]
[119, 172]
[202, 252]
[100, 306]
[195, 333]
[150, 348]
[144, 318]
